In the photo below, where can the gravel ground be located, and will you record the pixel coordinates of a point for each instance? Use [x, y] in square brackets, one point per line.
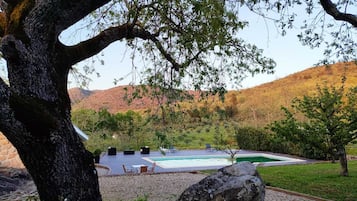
[166, 187]
[157, 187]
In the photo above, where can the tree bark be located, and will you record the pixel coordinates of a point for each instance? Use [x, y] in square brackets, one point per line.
[48, 145]
[61, 167]
[35, 110]
[343, 161]
[44, 136]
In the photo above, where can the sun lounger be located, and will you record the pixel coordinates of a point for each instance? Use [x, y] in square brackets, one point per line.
[169, 150]
[152, 168]
[128, 170]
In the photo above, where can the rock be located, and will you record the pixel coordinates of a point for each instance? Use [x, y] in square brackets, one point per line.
[238, 182]
[7, 184]
[12, 179]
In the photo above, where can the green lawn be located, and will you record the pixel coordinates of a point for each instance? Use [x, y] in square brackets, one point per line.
[321, 180]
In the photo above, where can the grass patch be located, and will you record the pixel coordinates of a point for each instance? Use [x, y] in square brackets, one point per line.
[320, 179]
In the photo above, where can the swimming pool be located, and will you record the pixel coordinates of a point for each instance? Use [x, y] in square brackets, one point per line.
[216, 160]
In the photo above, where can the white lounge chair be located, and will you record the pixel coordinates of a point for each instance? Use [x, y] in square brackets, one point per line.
[152, 168]
[128, 170]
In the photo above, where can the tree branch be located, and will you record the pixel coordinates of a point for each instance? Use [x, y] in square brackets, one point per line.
[332, 10]
[61, 14]
[94, 45]
[176, 66]
[70, 12]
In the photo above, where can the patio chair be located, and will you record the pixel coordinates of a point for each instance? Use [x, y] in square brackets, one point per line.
[163, 150]
[128, 170]
[172, 149]
[152, 168]
[209, 148]
[144, 169]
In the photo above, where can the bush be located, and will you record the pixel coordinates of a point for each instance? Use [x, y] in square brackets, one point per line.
[253, 139]
[280, 145]
[262, 140]
[312, 152]
[97, 152]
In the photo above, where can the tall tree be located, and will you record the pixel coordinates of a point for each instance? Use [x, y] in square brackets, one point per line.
[35, 110]
[331, 117]
[192, 43]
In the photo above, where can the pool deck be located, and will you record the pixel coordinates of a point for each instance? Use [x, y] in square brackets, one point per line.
[116, 162]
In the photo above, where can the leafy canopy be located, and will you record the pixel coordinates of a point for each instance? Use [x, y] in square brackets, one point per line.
[186, 44]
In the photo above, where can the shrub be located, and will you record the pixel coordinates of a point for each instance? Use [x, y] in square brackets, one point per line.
[253, 139]
[280, 145]
[309, 151]
[262, 140]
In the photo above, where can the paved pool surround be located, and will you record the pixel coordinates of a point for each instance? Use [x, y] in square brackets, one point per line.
[115, 162]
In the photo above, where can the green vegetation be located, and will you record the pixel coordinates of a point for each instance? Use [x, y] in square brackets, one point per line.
[319, 180]
[131, 130]
[329, 123]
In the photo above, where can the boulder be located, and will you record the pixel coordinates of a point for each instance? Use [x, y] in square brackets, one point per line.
[11, 179]
[238, 182]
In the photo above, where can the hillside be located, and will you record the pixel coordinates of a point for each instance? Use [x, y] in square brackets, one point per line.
[256, 106]
[112, 99]
[78, 94]
[260, 105]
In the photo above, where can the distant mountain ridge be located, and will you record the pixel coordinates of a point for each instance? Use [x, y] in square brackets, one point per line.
[112, 99]
[78, 94]
[266, 98]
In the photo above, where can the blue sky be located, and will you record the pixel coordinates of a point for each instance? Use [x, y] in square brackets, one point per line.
[287, 51]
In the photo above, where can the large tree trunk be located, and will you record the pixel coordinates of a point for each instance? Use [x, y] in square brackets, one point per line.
[343, 161]
[35, 110]
[61, 167]
[48, 145]
[50, 148]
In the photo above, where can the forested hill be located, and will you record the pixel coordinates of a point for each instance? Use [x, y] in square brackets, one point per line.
[256, 105]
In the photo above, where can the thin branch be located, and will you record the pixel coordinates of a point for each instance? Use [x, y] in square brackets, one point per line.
[332, 10]
[176, 66]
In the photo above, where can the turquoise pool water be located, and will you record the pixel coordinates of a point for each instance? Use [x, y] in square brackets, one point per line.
[213, 160]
